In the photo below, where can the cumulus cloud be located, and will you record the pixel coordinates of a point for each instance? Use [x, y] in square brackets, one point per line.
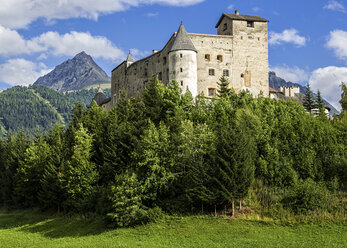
[336, 6]
[338, 42]
[20, 13]
[12, 43]
[292, 74]
[287, 36]
[328, 80]
[21, 71]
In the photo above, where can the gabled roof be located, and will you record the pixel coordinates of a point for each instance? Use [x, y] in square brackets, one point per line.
[241, 18]
[182, 41]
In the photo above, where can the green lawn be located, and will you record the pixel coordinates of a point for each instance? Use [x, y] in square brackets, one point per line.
[26, 229]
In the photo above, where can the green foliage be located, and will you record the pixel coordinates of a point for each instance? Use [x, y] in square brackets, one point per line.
[223, 87]
[343, 100]
[306, 196]
[309, 102]
[126, 197]
[78, 175]
[22, 107]
[173, 153]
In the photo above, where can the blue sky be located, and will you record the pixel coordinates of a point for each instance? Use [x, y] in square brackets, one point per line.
[307, 39]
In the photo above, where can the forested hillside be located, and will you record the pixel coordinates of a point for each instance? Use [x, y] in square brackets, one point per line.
[169, 152]
[38, 106]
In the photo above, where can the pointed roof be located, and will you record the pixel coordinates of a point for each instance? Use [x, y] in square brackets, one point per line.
[182, 41]
[129, 58]
[99, 96]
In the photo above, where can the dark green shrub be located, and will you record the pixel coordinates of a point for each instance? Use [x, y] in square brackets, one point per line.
[306, 196]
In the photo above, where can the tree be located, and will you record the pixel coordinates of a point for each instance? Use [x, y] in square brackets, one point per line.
[343, 100]
[308, 103]
[235, 155]
[320, 105]
[78, 175]
[223, 87]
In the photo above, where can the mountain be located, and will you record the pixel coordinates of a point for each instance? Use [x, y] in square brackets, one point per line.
[38, 106]
[275, 82]
[74, 74]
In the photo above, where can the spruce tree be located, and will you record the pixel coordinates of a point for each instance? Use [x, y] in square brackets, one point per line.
[223, 87]
[320, 105]
[78, 175]
[309, 102]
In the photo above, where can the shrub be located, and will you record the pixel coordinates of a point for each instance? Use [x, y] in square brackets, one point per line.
[306, 196]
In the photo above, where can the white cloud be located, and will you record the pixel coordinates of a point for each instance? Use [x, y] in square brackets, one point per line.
[152, 14]
[292, 74]
[137, 54]
[12, 43]
[287, 36]
[20, 13]
[21, 72]
[256, 9]
[75, 42]
[336, 6]
[338, 42]
[328, 80]
[230, 7]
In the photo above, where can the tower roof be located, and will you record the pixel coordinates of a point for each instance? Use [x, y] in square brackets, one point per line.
[237, 16]
[129, 58]
[182, 41]
[99, 97]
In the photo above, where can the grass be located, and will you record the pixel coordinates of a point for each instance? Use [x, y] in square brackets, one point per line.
[28, 229]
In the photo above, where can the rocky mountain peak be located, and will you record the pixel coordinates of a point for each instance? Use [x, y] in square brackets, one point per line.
[74, 74]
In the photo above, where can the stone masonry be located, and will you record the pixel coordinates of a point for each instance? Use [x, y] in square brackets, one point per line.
[239, 51]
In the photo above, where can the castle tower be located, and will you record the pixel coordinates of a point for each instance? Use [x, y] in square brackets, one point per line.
[183, 62]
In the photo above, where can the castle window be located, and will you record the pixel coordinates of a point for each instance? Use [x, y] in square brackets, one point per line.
[114, 99]
[211, 91]
[220, 58]
[225, 26]
[181, 55]
[181, 83]
[211, 72]
[250, 24]
[164, 60]
[160, 76]
[181, 70]
[226, 73]
[207, 57]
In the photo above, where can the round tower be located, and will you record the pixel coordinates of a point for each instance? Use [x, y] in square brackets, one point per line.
[183, 62]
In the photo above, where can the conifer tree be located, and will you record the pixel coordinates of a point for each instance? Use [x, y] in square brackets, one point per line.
[78, 175]
[309, 102]
[320, 105]
[223, 87]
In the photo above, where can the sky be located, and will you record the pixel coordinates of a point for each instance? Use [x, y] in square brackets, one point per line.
[307, 39]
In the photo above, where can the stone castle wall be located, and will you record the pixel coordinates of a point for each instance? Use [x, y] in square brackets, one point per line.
[242, 57]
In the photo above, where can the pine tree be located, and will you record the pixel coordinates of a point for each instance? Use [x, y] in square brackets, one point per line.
[223, 87]
[308, 103]
[320, 105]
[78, 175]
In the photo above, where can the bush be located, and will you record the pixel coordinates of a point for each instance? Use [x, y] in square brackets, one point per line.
[306, 196]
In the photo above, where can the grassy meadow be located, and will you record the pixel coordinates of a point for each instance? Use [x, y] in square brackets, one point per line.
[28, 229]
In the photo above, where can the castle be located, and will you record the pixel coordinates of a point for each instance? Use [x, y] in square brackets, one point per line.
[239, 52]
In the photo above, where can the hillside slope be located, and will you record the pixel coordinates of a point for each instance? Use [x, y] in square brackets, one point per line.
[38, 106]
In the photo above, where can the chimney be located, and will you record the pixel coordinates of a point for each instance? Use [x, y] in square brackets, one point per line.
[154, 51]
[237, 12]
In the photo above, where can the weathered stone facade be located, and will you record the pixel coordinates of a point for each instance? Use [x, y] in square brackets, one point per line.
[239, 51]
